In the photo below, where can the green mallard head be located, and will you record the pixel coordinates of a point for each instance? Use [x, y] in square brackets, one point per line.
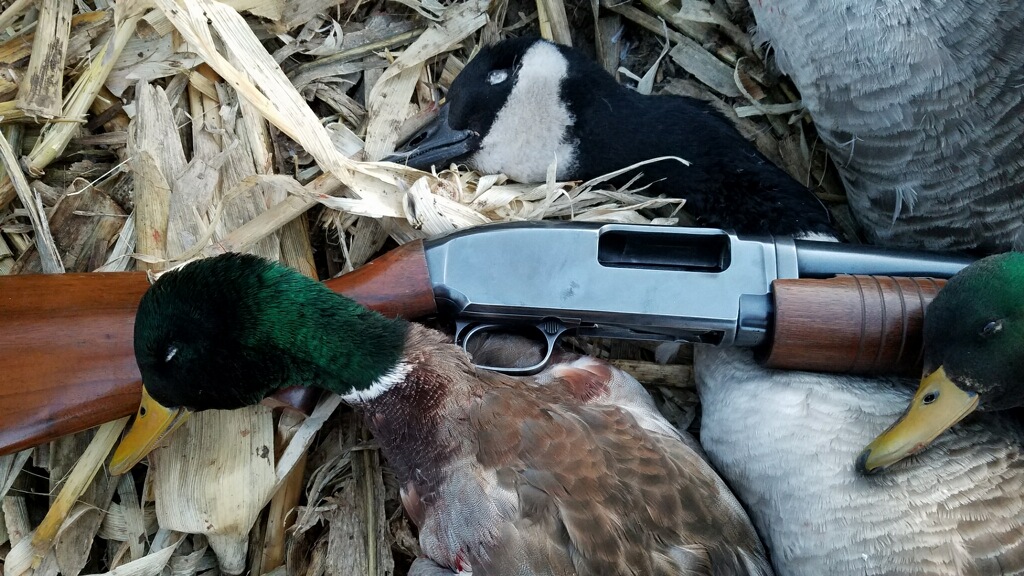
[228, 331]
[973, 357]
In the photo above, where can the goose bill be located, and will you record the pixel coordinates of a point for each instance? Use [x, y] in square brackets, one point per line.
[153, 423]
[937, 406]
[437, 143]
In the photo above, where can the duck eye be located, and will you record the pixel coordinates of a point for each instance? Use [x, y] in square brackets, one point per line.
[930, 397]
[497, 77]
[171, 351]
[992, 328]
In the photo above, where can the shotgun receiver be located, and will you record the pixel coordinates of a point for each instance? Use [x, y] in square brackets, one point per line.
[66, 359]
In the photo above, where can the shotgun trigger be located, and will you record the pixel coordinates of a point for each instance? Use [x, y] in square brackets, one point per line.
[510, 349]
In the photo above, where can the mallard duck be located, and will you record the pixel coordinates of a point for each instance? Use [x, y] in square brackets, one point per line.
[921, 108]
[572, 471]
[973, 357]
[524, 104]
[787, 442]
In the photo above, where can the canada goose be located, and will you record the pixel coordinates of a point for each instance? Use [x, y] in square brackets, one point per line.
[525, 103]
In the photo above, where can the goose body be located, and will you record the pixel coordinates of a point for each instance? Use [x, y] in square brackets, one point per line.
[526, 104]
[787, 444]
[569, 472]
[921, 107]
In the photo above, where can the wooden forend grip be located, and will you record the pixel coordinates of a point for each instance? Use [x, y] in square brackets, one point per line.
[66, 357]
[852, 324]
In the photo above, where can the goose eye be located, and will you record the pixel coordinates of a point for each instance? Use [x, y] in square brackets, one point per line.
[171, 351]
[497, 77]
[992, 328]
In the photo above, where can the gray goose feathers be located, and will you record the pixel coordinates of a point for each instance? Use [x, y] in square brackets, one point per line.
[921, 105]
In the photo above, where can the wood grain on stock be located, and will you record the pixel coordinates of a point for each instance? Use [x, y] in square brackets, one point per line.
[66, 359]
[853, 324]
[395, 284]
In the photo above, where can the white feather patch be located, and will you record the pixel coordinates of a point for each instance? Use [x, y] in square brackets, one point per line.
[531, 129]
[817, 237]
[379, 386]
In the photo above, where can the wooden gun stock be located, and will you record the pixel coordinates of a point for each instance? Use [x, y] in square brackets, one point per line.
[66, 357]
[852, 324]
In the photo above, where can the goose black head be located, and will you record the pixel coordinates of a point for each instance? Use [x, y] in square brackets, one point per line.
[504, 113]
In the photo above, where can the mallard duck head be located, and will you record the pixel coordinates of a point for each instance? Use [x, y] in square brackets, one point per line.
[973, 357]
[228, 331]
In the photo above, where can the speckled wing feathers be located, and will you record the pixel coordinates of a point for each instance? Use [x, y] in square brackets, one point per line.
[572, 472]
[630, 486]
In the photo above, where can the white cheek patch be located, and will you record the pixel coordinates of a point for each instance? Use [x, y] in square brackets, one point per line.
[531, 129]
[381, 385]
[818, 237]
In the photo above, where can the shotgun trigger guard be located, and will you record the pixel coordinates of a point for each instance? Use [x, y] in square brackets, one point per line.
[545, 332]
